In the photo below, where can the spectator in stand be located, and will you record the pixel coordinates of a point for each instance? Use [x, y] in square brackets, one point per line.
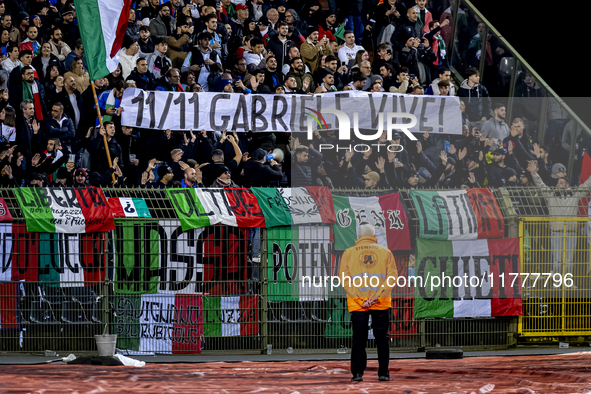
[305, 160]
[165, 176]
[181, 41]
[143, 78]
[444, 75]
[170, 82]
[340, 74]
[475, 97]
[163, 25]
[190, 179]
[158, 62]
[59, 48]
[79, 74]
[258, 172]
[201, 58]
[350, 49]
[145, 42]
[280, 44]
[255, 59]
[30, 133]
[298, 72]
[8, 119]
[68, 26]
[13, 32]
[12, 61]
[31, 43]
[312, 50]
[78, 52]
[407, 28]
[128, 56]
[60, 126]
[99, 156]
[496, 127]
[45, 61]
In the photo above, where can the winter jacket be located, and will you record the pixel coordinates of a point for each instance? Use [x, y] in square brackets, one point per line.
[158, 27]
[62, 129]
[368, 258]
[404, 31]
[260, 175]
[127, 62]
[157, 62]
[433, 89]
[311, 56]
[280, 49]
[143, 81]
[477, 101]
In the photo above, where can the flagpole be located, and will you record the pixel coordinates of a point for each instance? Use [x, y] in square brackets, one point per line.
[98, 112]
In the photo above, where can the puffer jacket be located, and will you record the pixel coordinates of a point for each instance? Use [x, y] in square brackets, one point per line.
[370, 260]
[561, 204]
[476, 99]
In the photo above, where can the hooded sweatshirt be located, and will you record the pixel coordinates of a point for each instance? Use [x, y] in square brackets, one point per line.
[476, 99]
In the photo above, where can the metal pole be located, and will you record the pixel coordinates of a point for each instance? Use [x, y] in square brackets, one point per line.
[98, 112]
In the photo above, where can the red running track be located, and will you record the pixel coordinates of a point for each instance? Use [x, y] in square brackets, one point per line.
[568, 373]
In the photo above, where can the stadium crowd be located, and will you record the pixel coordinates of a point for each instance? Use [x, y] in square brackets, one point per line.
[49, 121]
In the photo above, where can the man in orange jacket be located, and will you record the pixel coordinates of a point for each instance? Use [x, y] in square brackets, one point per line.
[365, 270]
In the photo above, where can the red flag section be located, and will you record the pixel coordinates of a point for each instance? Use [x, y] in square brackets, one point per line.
[245, 207]
[506, 292]
[25, 254]
[188, 326]
[8, 307]
[488, 214]
[323, 198]
[95, 209]
[585, 168]
[249, 315]
[5, 215]
[397, 223]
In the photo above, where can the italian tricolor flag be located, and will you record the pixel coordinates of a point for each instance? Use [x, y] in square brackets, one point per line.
[65, 210]
[231, 316]
[102, 25]
[478, 278]
[124, 207]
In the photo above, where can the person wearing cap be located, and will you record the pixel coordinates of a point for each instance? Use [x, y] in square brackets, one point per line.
[509, 177]
[68, 27]
[80, 178]
[312, 50]
[372, 180]
[258, 174]
[264, 30]
[165, 176]
[224, 178]
[62, 178]
[237, 21]
[501, 160]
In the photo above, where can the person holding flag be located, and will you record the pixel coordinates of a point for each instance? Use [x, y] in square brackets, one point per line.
[375, 266]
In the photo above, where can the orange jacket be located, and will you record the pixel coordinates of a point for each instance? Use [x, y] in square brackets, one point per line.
[368, 265]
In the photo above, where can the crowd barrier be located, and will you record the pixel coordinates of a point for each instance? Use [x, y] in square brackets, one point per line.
[163, 288]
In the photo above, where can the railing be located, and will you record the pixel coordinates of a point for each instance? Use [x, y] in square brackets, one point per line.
[165, 290]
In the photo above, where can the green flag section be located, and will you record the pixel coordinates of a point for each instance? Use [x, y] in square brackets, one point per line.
[124, 207]
[65, 210]
[458, 215]
[387, 213]
[299, 257]
[274, 204]
[231, 316]
[102, 25]
[197, 208]
[159, 323]
[467, 278]
[137, 252]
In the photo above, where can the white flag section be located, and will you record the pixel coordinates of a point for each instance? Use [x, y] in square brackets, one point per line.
[470, 305]
[293, 113]
[462, 224]
[73, 220]
[314, 260]
[303, 208]
[156, 323]
[6, 250]
[71, 272]
[230, 309]
[214, 200]
[368, 210]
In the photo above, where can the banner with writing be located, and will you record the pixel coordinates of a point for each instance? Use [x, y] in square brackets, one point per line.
[290, 113]
[65, 210]
[458, 214]
[160, 257]
[467, 278]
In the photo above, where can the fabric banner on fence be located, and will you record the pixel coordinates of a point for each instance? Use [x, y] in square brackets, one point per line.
[295, 254]
[198, 208]
[159, 257]
[129, 207]
[62, 260]
[298, 205]
[159, 323]
[467, 278]
[458, 215]
[231, 316]
[65, 210]
[387, 213]
[280, 113]
[5, 215]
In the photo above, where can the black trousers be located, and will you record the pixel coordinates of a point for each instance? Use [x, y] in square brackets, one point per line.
[380, 321]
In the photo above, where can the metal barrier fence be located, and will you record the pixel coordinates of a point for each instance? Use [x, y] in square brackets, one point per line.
[165, 290]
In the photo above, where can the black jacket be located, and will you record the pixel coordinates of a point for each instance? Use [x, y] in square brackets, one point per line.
[144, 81]
[260, 175]
[404, 31]
[280, 49]
[476, 99]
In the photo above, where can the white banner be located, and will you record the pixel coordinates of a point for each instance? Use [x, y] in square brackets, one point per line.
[289, 113]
